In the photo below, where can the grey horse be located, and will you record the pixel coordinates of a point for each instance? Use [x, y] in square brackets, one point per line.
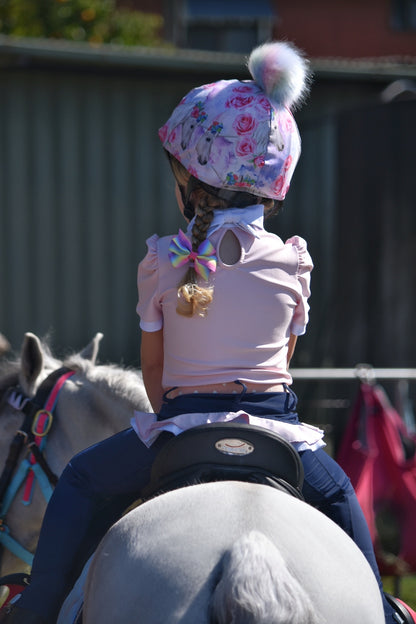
[229, 552]
[94, 403]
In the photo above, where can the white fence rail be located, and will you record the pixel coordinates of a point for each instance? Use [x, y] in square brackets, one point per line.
[365, 372]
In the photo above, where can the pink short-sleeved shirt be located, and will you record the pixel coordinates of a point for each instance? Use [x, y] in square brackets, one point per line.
[258, 302]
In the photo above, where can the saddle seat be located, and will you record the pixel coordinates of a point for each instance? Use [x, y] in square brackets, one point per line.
[223, 452]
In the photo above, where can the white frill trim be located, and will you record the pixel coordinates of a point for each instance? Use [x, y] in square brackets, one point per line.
[301, 435]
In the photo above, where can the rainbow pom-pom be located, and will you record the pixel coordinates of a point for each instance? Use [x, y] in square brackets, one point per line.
[281, 71]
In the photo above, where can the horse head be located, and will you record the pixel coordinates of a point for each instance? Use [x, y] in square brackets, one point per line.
[37, 361]
[216, 150]
[94, 402]
[188, 127]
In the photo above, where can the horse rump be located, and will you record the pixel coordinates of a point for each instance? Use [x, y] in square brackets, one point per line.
[256, 587]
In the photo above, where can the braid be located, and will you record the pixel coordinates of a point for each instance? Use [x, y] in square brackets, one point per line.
[203, 218]
[200, 200]
[193, 298]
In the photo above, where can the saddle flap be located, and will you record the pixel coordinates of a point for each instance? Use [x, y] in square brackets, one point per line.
[229, 445]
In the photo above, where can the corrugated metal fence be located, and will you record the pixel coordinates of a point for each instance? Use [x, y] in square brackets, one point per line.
[83, 183]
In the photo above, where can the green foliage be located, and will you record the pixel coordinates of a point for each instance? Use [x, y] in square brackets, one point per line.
[407, 589]
[95, 21]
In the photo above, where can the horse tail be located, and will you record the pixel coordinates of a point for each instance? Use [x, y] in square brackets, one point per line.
[256, 587]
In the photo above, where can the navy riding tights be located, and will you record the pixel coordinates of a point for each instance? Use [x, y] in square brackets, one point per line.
[99, 483]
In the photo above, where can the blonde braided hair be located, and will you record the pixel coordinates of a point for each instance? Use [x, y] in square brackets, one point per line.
[192, 297]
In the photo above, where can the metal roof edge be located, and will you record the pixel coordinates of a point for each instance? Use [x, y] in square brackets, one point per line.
[111, 55]
[377, 68]
[22, 51]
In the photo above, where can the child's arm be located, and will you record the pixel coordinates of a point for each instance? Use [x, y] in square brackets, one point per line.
[151, 353]
[291, 347]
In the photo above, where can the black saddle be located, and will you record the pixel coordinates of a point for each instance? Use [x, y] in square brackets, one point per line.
[226, 451]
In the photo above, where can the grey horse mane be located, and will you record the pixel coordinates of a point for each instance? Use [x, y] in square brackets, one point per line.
[109, 378]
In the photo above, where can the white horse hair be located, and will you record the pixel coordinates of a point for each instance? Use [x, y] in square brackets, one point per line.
[256, 587]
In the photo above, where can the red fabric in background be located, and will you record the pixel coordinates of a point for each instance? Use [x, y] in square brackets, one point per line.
[377, 453]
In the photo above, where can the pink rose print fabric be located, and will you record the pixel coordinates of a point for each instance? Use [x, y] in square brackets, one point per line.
[230, 135]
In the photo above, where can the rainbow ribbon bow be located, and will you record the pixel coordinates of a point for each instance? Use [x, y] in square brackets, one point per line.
[204, 260]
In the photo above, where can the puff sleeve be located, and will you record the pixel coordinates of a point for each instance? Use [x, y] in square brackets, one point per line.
[148, 307]
[305, 265]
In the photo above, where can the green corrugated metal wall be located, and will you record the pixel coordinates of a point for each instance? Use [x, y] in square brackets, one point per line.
[83, 183]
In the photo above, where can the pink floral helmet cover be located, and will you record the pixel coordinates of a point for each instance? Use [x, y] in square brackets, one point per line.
[241, 135]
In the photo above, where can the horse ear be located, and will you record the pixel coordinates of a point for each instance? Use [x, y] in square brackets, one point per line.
[31, 361]
[91, 350]
[4, 345]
